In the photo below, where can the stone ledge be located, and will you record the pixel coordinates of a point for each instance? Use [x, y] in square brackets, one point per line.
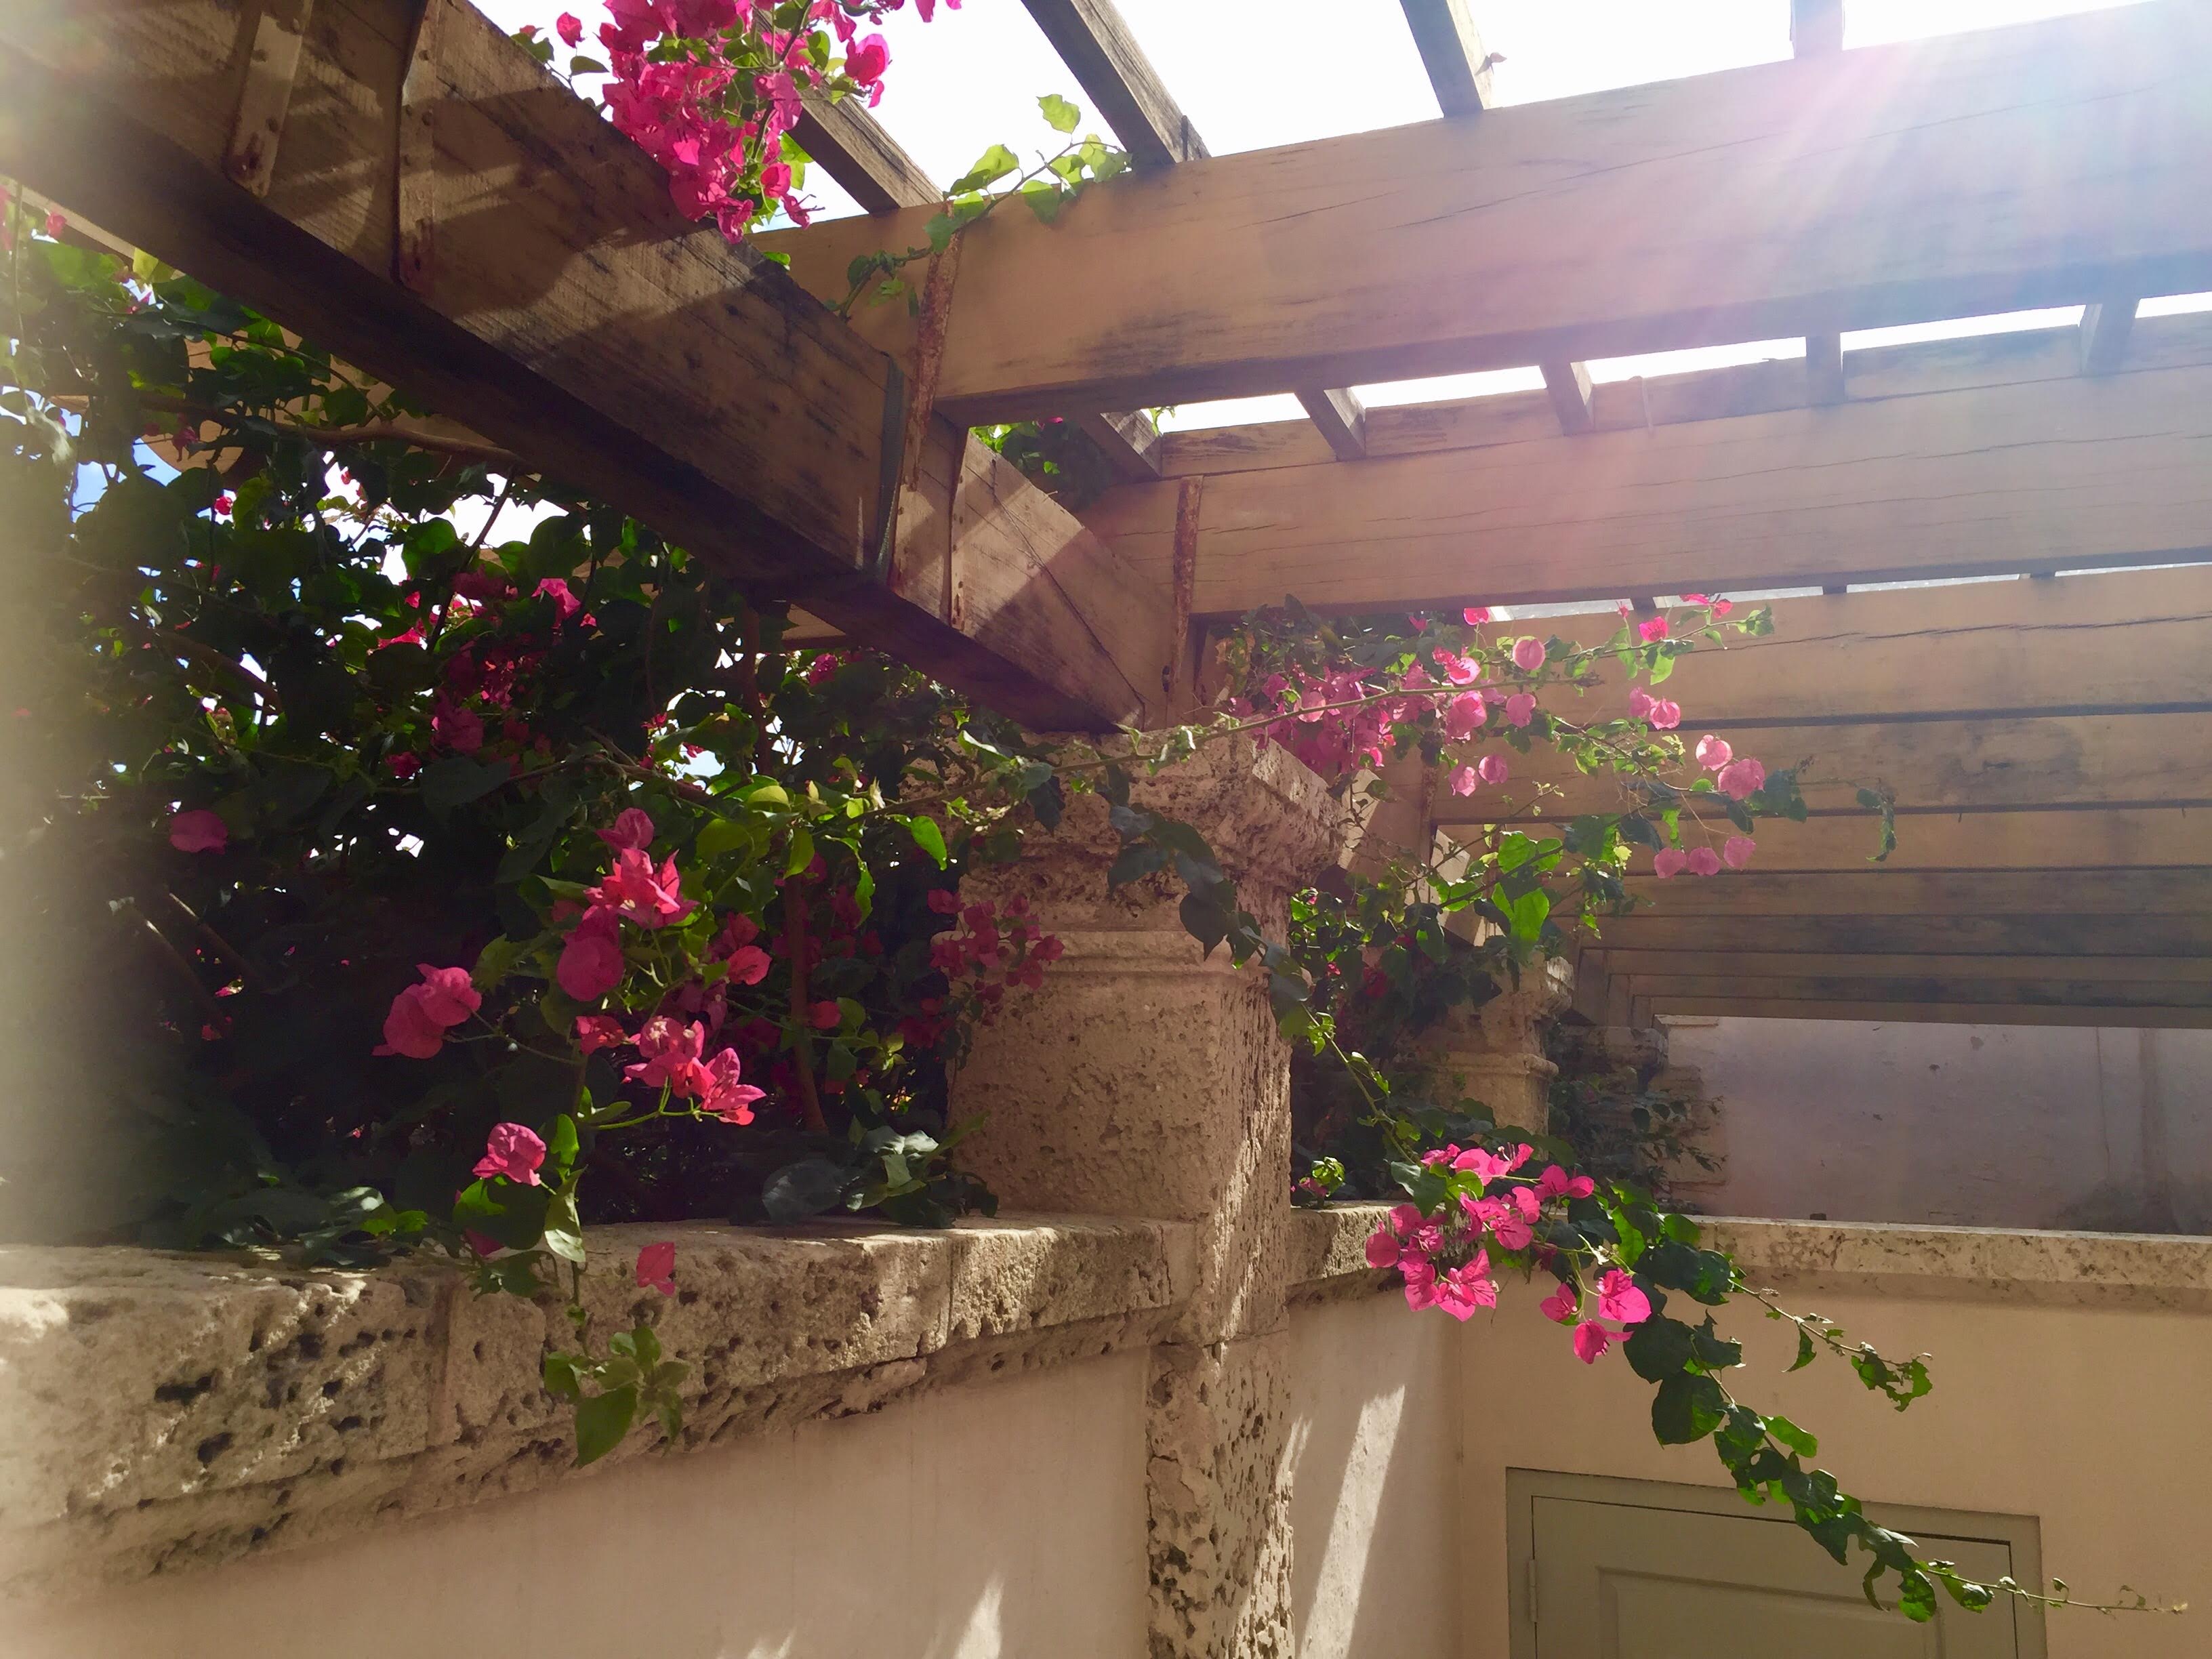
[1327, 1251]
[2050, 1269]
[163, 1410]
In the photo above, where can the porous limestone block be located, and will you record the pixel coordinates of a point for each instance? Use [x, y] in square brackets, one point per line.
[1010, 1278]
[1219, 1490]
[1143, 1077]
[1496, 1051]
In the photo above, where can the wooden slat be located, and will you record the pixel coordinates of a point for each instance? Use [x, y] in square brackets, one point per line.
[1568, 385]
[2190, 978]
[1130, 443]
[2125, 839]
[853, 148]
[2048, 936]
[1451, 50]
[1882, 891]
[2101, 642]
[1923, 1013]
[1341, 419]
[2043, 165]
[2012, 358]
[1111, 68]
[2105, 327]
[1824, 368]
[2050, 474]
[1983, 765]
[557, 299]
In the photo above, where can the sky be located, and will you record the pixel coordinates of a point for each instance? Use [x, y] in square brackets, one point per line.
[1252, 75]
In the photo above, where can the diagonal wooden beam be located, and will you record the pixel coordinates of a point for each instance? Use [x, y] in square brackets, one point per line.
[2106, 327]
[1816, 29]
[2047, 164]
[1096, 43]
[1459, 68]
[512, 257]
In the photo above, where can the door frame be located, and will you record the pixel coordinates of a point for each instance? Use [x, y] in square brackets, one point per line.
[2022, 1534]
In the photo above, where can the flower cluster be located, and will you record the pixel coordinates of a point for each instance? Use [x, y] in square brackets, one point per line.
[983, 951]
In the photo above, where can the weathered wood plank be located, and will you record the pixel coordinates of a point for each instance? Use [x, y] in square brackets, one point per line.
[2048, 474]
[1972, 766]
[1568, 385]
[851, 146]
[1992, 973]
[1341, 419]
[2105, 327]
[1882, 890]
[555, 298]
[1111, 68]
[2047, 936]
[1130, 443]
[1924, 1013]
[1451, 50]
[2047, 164]
[2125, 839]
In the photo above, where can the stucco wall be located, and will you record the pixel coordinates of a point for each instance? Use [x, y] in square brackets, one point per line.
[1982, 1125]
[1372, 1474]
[1004, 1519]
[2091, 1419]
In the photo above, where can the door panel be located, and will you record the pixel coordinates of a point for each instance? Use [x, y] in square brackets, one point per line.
[1629, 1581]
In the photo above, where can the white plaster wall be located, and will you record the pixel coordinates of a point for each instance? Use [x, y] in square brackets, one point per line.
[2092, 1420]
[1373, 1466]
[998, 1521]
[1988, 1126]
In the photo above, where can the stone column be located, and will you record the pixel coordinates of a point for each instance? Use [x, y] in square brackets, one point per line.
[1496, 1052]
[1141, 1080]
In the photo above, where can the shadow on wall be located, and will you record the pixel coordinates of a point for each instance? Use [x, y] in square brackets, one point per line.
[1991, 1125]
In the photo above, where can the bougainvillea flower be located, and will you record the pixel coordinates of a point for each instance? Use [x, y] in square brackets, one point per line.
[1668, 862]
[1665, 714]
[1561, 1306]
[448, 995]
[656, 1268]
[1464, 778]
[409, 1030]
[1520, 708]
[825, 1016]
[723, 1094]
[1591, 1340]
[671, 1051]
[1463, 714]
[749, 965]
[868, 60]
[1618, 1299]
[1651, 628]
[1556, 1182]
[1460, 670]
[569, 28]
[1713, 753]
[591, 963]
[633, 829]
[514, 1151]
[1493, 768]
[1528, 654]
[1741, 779]
[1640, 704]
[1703, 861]
[198, 831]
[1383, 1248]
[642, 894]
[1476, 614]
[1737, 851]
[597, 1031]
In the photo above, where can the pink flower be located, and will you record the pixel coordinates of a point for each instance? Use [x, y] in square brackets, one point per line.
[1741, 779]
[671, 1056]
[458, 729]
[825, 1016]
[514, 1151]
[1460, 670]
[591, 963]
[749, 964]
[656, 1268]
[1703, 861]
[1640, 704]
[1668, 862]
[569, 28]
[1652, 627]
[1556, 1182]
[448, 995]
[944, 901]
[55, 223]
[1383, 1248]
[1736, 852]
[1713, 753]
[1463, 780]
[224, 504]
[1493, 768]
[1619, 1298]
[866, 62]
[633, 829]
[1420, 1283]
[1463, 714]
[649, 898]
[775, 180]
[1665, 714]
[409, 1030]
[1520, 708]
[1695, 599]
[1476, 614]
[1721, 607]
[722, 1095]
[1466, 1288]
[597, 1031]
[198, 831]
[1561, 1306]
[565, 604]
[1591, 1340]
[1528, 654]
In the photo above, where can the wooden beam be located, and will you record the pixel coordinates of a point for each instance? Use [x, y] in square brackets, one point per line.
[1816, 27]
[1924, 1013]
[1880, 891]
[1111, 68]
[2048, 474]
[1568, 385]
[2188, 978]
[1972, 766]
[851, 147]
[1824, 368]
[2055, 936]
[2106, 326]
[1451, 50]
[2133, 838]
[2047, 164]
[2015, 358]
[553, 294]
[2103, 642]
[1130, 443]
[1341, 419]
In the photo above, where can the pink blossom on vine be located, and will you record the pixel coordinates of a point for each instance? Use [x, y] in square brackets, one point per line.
[404, 765]
[1561, 1306]
[420, 1016]
[656, 1268]
[825, 1017]
[1462, 714]
[1619, 1299]
[1651, 628]
[749, 965]
[775, 180]
[591, 963]
[1640, 702]
[1464, 779]
[513, 1151]
[460, 729]
[1670, 862]
[56, 224]
[1476, 614]
[448, 995]
[1665, 714]
[1459, 669]
[1465, 1288]
[1736, 852]
[722, 1095]
[597, 1031]
[1741, 779]
[1520, 708]
[868, 60]
[1421, 1277]
[642, 894]
[1493, 768]
[1383, 1248]
[632, 828]
[1528, 654]
[1556, 1182]
[1713, 753]
[570, 28]
[198, 831]
[565, 604]
[1703, 861]
[1591, 1340]
[671, 1056]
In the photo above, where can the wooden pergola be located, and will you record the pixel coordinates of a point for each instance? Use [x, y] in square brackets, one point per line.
[398, 180]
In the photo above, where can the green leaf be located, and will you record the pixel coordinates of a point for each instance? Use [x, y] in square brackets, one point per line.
[1658, 1348]
[801, 852]
[1136, 861]
[564, 1232]
[1805, 1350]
[1204, 921]
[1058, 115]
[1792, 1437]
[602, 1422]
[456, 781]
[1044, 200]
[931, 839]
[1686, 1409]
[560, 1373]
[995, 164]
